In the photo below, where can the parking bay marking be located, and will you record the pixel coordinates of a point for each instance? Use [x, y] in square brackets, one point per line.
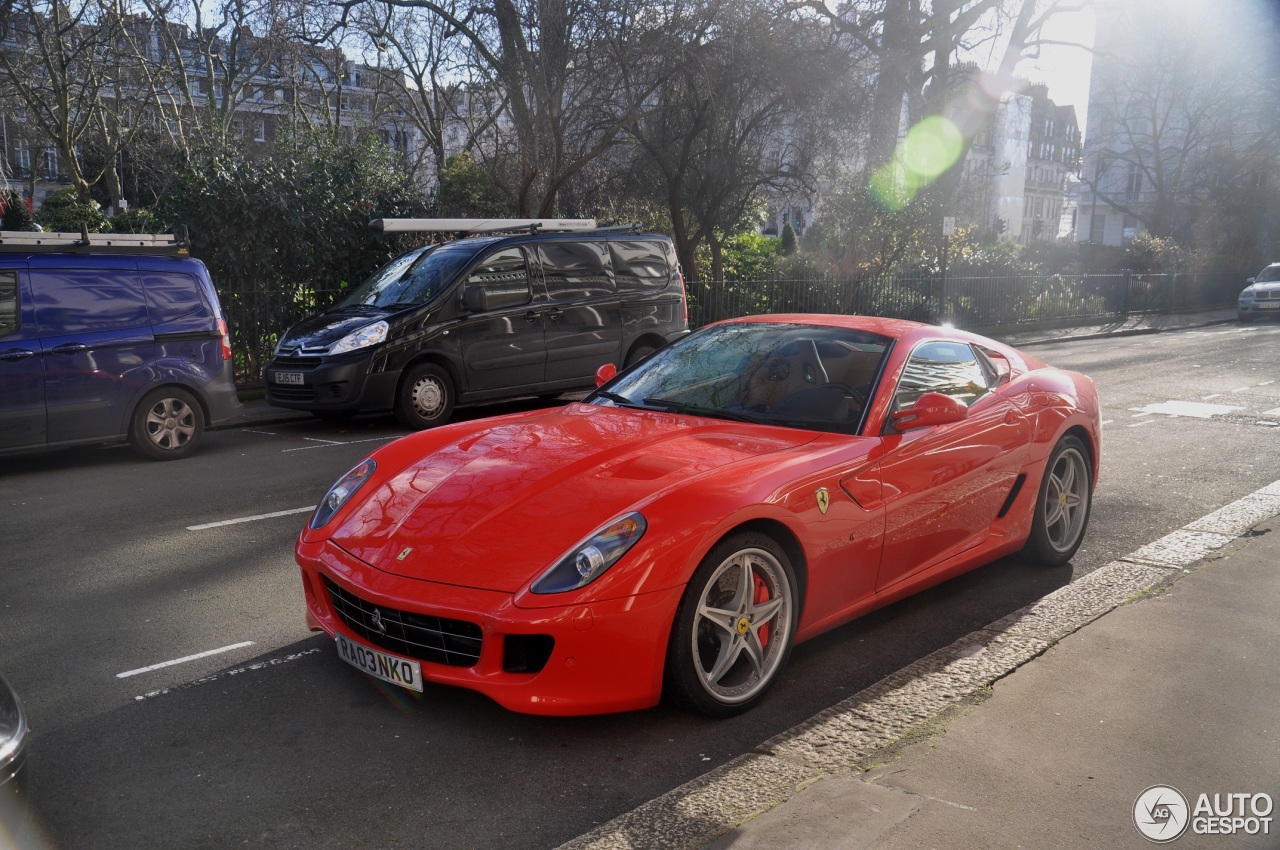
[325, 444]
[184, 660]
[253, 518]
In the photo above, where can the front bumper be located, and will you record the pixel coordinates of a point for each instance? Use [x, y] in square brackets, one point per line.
[343, 385]
[606, 657]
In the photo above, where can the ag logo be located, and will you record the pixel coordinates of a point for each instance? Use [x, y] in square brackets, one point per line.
[1161, 813]
[824, 499]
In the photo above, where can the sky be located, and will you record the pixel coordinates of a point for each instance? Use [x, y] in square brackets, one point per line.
[1066, 70]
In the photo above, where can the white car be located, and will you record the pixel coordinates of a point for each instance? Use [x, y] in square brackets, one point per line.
[1262, 296]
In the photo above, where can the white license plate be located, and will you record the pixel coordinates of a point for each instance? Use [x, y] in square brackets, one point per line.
[398, 671]
[287, 377]
[1271, 305]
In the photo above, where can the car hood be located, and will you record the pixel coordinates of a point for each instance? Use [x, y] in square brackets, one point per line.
[323, 330]
[499, 503]
[1267, 286]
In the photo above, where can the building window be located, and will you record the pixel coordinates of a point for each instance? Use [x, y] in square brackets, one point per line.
[51, 163]
[22, 155]
[1097, 228]
[1133, 185]
[260, 130]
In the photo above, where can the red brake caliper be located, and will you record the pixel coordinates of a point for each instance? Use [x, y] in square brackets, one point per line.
[762, 595]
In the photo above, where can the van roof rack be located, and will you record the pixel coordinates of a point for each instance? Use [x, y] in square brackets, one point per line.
[23, 242]
[477, 226]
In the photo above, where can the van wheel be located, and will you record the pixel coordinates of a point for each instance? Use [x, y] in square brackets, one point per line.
[425, 399]
[167, 425]
[639, 353]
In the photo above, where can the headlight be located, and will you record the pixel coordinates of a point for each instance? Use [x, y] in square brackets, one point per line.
[339, 494]
[593, 556]
[363, 338]
[13, 731]
[1247, 295]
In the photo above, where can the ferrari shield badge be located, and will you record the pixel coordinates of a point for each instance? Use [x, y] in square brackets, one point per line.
[824, 499]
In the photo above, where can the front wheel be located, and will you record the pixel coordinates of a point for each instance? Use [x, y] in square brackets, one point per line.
[425, 398]
[734, 628]
[1062, 507]
[167, 425]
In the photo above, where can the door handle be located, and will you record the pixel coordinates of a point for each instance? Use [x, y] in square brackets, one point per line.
[69, 348]
[13, 355]
[555, 313]
[531, 317]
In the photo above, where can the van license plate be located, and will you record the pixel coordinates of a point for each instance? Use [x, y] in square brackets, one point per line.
[287, 378]
[388, 668]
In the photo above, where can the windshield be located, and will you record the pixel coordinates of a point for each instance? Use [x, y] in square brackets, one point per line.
[413, 278]
[799, 376]
[1270, 274]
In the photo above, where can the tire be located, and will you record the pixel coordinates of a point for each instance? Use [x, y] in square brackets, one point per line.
[639, 353]
[728, 647]
[425, 398]
[167, 424]
[1062, 506]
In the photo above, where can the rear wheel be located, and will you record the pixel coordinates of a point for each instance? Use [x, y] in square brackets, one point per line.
[1062, 507]
[734, 629]
[167, 425]
[425, 398]
[639, 353]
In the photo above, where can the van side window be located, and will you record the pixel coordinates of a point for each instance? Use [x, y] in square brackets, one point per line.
[573, 270]
[71, 301]
[8, 303]
[638, 264]
[505, 278]
[175, 302]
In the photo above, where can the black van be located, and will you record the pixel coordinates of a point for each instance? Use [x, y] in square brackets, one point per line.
[109, 337]
[483, 318]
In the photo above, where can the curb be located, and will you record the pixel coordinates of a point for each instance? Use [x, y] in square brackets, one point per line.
[836, 740]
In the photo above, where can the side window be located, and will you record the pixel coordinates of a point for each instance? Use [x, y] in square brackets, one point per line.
[505, 278]
[950, 368]
[72, 301]
[573, 270]
[175, 302]
[8, 302]
[639, 264]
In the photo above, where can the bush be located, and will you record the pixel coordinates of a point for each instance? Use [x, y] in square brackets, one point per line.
[134, 220]
[64, 211]
[16, 214]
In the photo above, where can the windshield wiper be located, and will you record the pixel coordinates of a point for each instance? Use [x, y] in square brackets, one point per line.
[695, 410]
[620, 400]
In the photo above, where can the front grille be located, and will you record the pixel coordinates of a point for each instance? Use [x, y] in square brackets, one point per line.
[291, 392]
[1267, 295]
[421, 636]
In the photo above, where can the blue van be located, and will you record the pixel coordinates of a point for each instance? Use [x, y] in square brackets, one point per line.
[107, 338]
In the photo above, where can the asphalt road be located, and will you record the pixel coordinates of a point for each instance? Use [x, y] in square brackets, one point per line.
[105, 569]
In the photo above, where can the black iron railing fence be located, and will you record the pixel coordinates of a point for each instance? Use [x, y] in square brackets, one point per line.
[258, 316]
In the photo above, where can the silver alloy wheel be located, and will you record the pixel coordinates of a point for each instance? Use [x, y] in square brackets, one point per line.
[170, 424]
[428, 397]
[742, 625]
[1066, 503]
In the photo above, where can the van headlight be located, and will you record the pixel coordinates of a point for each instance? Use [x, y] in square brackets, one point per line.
[362, 338]
[586, 561]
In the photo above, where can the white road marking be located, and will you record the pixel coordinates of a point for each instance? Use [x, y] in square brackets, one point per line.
[257, 665]
[1209, 396]
[1266, 383]
[329, 442]
[1107, 421]
[1143, 422]
[1193, 409]
[268, 433]
[1240, 389]
[129, 673]
[351, 443]
[253, 518]
[1275, 412]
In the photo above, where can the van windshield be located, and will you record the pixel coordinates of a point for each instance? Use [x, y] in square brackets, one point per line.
[413, 278]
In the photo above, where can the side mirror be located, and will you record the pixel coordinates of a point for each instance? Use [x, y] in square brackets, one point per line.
[930, 409]
[605, 374]
[475, 299]
[1251, 280]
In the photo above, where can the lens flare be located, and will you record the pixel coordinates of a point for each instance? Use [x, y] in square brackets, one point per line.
[930, 148]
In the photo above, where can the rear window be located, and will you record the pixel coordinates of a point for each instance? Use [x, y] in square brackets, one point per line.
[71, 301]
[639, 264]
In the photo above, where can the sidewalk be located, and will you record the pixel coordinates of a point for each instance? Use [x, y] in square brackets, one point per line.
[1177, 689]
